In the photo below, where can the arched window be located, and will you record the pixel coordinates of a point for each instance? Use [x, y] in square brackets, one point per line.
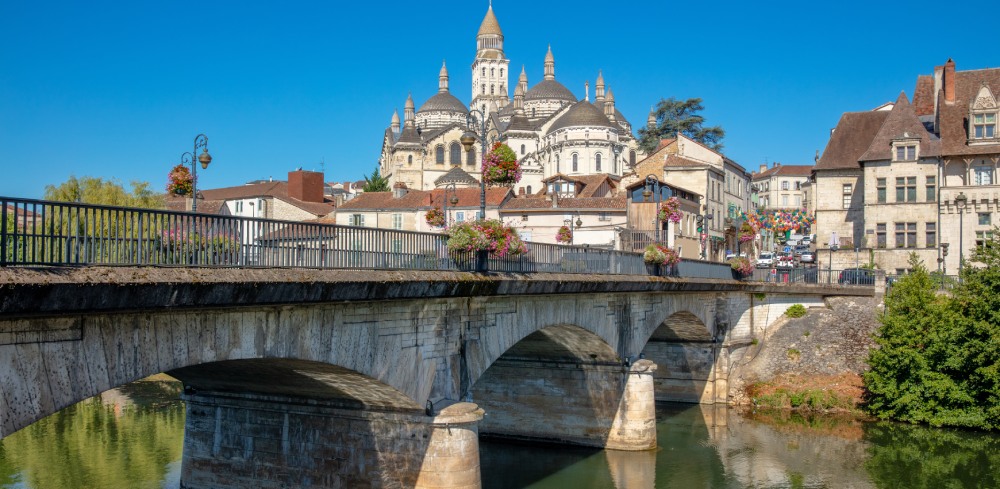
[409, 160]
[522, 150]
[493, 72]
[575, 166]
[614, 166]
[456, 154]
[631, 157]
[597, 162]
[470, 158]
[532, 112]
[501, 76]
[484, 71]
[557, 163]
[484, 89]
[529, 189]
[492, 89]
[439, 155]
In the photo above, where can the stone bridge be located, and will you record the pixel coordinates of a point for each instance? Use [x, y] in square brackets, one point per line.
[378, 378]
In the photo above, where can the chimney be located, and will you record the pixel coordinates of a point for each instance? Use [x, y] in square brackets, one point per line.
[763, 167]
[306, 186]
[520, 191]
[949, 81]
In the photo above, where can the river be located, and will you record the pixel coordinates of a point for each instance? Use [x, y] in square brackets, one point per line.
[132, 437]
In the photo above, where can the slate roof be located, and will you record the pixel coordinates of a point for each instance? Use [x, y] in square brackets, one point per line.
[444, 101]
[954, 117]
[457, 176]
[902, 122]
[852, 137]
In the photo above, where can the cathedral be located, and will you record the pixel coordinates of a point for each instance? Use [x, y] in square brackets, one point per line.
[551, 131]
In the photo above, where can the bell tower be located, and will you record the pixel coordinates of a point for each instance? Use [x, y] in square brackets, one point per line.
[490, 69]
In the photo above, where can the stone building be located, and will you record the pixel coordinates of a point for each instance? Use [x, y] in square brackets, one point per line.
[406, 210]
[888, 180]
[723, 184]
[548, 127]
[781, 186]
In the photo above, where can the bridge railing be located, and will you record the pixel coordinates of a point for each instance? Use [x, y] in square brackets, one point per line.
[47, 233]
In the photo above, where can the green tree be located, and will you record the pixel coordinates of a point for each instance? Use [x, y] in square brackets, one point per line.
[680, 116]
[95, 190]
[376, 183]
[937, 356]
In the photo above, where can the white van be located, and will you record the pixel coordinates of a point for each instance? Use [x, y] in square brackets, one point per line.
[765, 260]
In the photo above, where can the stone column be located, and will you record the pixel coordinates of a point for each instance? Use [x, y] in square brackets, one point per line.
[239, 440]
[634, 427]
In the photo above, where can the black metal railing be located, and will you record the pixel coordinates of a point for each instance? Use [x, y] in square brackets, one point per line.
[47, 233]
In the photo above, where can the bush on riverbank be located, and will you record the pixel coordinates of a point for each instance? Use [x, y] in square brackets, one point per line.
[938, 358]
[809, 393]
[796, 311]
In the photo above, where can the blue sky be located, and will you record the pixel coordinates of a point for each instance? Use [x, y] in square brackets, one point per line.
[121, 89]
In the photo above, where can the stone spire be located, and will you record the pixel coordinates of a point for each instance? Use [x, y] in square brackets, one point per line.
[550, 65]
[490, 25]
[395, 121]
[443, 79]
[522, 81]
[408, 111]
[609, 106]
[599, 88]
[651, 121]
[586, 90]
[519, 100]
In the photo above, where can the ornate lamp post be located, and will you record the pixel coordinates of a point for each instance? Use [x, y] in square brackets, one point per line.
[468, 139]
[646, 193]
[200, 141]
[454, 200]
[570, 224]
[960, 202]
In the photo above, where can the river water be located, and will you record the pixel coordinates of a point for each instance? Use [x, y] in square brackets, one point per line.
[132, 437]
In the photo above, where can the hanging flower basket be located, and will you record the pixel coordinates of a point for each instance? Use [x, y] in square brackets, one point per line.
[486, 235]
[742, 267]
[500, 167]
[564, 235]
[747, 232]
[670, 210]
[435, 217]
[660, 254]
[180, 181]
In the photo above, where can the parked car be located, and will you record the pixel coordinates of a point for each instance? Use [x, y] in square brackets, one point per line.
[785, 262]
[807, 257]
[801, 249]
[765, 260]
[857, 276]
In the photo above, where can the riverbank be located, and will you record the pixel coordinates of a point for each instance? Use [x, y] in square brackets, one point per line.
[813, 362]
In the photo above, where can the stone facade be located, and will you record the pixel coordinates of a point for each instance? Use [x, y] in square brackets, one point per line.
[781, 186]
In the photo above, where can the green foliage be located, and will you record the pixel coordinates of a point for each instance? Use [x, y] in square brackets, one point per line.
[938, 356]
[673, 116]
[95, 190]
[796, 311]
[376, 183]
[765, 395]
[760, 296]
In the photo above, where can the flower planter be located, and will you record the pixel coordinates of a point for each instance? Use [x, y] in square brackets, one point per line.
[482, 261]
[653, 269]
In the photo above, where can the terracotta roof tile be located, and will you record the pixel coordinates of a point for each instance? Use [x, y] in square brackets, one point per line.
[902, 122]
[784, 171]
[923, 95]
[535, 203]
[675, 161]
[852, 137]
[954, 116]
[425, 199]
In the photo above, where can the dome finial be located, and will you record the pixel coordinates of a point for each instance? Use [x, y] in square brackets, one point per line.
[550, 65]
[443, 78]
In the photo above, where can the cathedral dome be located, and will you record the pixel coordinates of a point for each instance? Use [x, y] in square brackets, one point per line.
[549, 90]
[444, 101]
[582, 113]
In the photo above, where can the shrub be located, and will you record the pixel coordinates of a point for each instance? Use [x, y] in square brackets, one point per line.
[796, 311]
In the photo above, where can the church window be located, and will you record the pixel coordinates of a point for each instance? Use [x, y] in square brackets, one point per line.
[456, 154]
[470, 157]
[493, 72]
[409, 160]
[484, 71]
[439, 155]
[575, 162]
[501, 72]
[484, 92]
[984, 126]
[597, 162]
[522, 150]
[503, 88]
[492, 89]
[631, 157]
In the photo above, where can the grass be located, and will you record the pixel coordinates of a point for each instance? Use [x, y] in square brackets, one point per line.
[766, 395]
[796, 311]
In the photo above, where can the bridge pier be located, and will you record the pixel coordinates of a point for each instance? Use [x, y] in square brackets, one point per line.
[590, 404]
[263, 441]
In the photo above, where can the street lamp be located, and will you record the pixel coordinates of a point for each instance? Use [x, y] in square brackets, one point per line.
[200, 141]
[960, 201]
[468, 139]
[569, 223]
[454, 200]
[646, 193]
[943, 263]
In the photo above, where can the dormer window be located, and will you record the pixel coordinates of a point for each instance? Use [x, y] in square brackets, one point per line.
[906, 151]
[984, 126]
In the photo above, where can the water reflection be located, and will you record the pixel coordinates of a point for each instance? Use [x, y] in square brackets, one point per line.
[130, 437]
